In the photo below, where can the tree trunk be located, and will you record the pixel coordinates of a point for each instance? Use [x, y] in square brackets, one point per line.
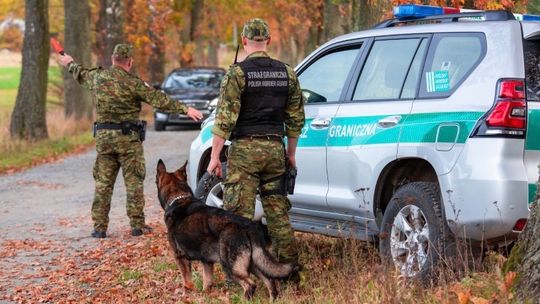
[110, 29]
[468, 4]
[28, 119]
[77, 101]
[525, 258]
[332, 21]
[213, 43]
[189, 33]
[156, 63]
[315, 38]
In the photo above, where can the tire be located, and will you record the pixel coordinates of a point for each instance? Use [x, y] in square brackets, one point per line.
[210, 190]
[159, 126]
[414, 235]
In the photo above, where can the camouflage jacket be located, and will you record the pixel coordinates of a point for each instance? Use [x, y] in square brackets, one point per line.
[228, 108]
[118, 94]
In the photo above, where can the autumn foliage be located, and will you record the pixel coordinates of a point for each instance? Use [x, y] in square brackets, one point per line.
[174, 33]
[124, 269]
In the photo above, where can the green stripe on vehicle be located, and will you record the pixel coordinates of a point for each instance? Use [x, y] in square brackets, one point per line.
[206, 132]
[423, 128]
[415, 128]
[533, 131]
[532, 193]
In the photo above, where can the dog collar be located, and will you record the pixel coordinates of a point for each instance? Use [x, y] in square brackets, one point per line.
[177, 198]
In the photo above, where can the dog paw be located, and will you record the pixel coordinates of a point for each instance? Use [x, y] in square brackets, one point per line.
[248, 293]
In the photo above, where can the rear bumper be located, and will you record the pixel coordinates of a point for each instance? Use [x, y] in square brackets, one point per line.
[486, 192]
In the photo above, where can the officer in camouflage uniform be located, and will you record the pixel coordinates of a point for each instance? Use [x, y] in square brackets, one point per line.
[118, 96]
[260, 102]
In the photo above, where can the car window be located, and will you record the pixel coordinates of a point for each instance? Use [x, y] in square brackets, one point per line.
[532, 69]
[387, 66]
[411, 83]
[452, 58]
[324, 79]
[192, 79]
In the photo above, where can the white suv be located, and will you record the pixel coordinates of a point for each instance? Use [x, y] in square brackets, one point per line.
[415, 133]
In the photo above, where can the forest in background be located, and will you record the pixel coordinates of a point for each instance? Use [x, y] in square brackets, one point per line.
[170, 34]
[177, 33]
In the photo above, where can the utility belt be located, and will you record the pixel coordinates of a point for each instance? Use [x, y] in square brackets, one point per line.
[264, 137]
[138, 126]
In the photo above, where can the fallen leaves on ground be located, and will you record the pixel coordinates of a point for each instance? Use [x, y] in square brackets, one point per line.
[126, 269]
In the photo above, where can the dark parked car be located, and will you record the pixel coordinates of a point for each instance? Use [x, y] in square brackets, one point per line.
[197, 87]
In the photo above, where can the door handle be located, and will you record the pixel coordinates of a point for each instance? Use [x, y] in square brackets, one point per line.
[389, 121]
[320, 123]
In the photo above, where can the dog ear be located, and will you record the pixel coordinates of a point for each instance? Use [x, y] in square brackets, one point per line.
[183, 168]
[181, 173]
[161, 167]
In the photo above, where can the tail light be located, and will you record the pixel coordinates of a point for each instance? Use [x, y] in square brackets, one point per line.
[508, 116]
[520, 225]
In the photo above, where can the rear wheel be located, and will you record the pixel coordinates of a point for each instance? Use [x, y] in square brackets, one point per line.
[414, 234]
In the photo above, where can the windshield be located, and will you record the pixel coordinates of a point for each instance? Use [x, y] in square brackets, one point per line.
[193, 79]
[532, 69]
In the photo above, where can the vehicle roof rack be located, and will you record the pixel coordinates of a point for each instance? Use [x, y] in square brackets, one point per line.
[477, 16]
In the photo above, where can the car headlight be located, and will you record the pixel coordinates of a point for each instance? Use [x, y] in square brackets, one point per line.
[161, 116]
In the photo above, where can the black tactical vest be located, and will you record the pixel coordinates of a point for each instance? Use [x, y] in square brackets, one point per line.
[264, 98]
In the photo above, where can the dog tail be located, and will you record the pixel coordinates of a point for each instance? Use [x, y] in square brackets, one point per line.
[264, 260]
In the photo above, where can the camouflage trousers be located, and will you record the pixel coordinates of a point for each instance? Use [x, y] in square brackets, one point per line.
[252, 162]
[115, 151]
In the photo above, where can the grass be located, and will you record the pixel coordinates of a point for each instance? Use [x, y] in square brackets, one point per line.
[65, 135]
[20, 154]
[7, 100]
[130, 275]
[10, 76]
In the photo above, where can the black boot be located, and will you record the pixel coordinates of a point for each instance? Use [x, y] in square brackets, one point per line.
[140, 231]
[99, 234]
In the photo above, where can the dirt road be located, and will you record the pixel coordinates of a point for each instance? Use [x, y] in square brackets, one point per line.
[45, 211]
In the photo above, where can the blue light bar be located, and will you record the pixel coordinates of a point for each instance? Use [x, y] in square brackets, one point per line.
[412, 11]
[531, 18]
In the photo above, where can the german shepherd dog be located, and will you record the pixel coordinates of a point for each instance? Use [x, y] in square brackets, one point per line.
[212, 235]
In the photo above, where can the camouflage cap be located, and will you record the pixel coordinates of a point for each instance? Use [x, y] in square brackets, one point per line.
[123, 50]
[256, 29]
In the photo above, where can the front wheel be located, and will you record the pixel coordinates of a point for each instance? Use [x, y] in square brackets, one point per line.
[159, 126]
[210, 190]
[414, 234]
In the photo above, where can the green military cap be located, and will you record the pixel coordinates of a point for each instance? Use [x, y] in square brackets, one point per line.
[123, 50]
[256, 29]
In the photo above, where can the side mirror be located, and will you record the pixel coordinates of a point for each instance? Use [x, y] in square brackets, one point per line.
[312, 97]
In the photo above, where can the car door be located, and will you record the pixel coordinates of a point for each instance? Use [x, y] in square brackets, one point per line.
[365, 132]
[322, 77]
